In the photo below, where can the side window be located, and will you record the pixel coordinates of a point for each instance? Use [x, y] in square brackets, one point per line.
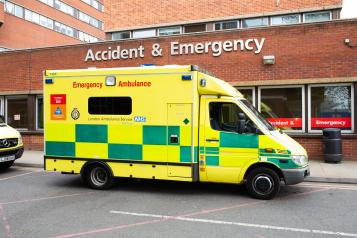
[224, 117]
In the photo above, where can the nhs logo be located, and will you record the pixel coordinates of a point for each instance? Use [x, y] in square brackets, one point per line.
[139, 119]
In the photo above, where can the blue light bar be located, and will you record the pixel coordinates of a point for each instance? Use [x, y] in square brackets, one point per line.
[144, 65]
[49, 81]
[186, 77]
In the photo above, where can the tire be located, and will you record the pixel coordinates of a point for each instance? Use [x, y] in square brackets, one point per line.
[6, 165]
[98, 177]
[263, 183]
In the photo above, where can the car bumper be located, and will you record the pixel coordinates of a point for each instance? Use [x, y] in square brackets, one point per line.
[17, 152]
[294, 176]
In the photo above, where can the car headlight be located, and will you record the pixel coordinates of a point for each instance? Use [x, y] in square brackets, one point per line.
[300, 160]
[20, 140]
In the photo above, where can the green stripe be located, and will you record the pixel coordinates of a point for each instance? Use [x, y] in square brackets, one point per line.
[274, 155]
[289, 165]
[91, 133]
[125, 151]
[238, 140]
[212, 160]
[185, 154]
[216, 149]
[154, 135]
[60, 148]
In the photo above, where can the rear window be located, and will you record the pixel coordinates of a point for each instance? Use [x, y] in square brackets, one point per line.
[109, 105]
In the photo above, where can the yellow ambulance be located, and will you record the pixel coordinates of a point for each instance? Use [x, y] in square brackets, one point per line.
[11, 146]
[163, 122]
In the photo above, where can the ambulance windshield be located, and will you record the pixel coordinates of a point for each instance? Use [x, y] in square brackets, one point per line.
[258, 115]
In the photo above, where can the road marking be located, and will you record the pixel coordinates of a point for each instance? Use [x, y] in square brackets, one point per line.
[44, 198]
[5, 223]
[329, 185]
[268, 227]
[19, 175]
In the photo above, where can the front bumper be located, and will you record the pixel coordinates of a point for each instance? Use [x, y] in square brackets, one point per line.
[294, 176]
[18, 151]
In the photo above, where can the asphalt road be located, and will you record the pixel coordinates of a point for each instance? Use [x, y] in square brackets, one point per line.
[34, 203]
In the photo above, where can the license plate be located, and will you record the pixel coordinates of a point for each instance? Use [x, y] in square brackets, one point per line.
[7, 158]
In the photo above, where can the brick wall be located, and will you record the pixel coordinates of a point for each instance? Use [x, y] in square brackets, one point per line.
[129, 14]
[302, 52]
[33, 141]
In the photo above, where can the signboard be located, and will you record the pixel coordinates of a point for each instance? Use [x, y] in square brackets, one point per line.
[58, 106]
[325, 122]
[213, 48]
[286, 122]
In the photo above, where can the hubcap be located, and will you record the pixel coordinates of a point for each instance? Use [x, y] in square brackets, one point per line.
[99, 176]
[263, 184]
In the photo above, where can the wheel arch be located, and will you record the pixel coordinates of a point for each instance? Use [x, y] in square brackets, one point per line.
[272, 166]
[89, 164]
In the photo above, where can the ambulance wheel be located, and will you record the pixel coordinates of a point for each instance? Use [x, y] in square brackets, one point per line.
[263, 183]
[6, 165]
[98, 177]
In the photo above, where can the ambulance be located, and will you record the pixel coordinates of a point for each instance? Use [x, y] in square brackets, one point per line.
[11, 146]
[163, 122]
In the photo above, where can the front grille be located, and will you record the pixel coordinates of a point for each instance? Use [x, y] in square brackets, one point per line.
[8, 142]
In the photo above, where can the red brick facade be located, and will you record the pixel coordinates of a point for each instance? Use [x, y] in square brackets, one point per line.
[305, 53]
[141, 13]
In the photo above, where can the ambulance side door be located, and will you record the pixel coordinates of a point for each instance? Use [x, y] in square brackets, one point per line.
[224, 151]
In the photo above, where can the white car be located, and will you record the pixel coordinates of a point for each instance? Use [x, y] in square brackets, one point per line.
[11, 145]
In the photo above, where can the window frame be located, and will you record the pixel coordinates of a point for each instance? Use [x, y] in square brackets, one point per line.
[303, 129]
[143, 30]
[252, 18]
[184, 28]
[296, 14]
[160, 28]
[222, 22]
[2, 106]
[304, 18]
[309, 130]
[253, 94]
[36, 113]
[7, 106]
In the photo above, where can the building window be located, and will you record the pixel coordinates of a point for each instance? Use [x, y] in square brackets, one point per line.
[317, 16]
[285, 19]
[109, 105]
[226, 25]
[39, 112]
[17, 112]
[248, 93]
[283, 106]
[144, 33]
[195, 28]
[48, 2]
[97, 5]
[169, 31]
[330, 106]
[121, 35]
[255, 22]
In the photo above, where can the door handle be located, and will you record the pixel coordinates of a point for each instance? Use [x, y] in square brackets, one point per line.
[212, 140]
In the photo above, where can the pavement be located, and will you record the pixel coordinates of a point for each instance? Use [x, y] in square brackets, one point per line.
[344, 172]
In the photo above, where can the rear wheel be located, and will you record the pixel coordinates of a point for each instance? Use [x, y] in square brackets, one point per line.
[98, 177]
[263, 183]
[5, 165]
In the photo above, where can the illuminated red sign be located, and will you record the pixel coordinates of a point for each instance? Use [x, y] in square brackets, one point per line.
[325, 122]
[58, 99]
[286, 122]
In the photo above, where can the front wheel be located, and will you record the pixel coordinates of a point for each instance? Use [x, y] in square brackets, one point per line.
[98, 177]
[263, 183]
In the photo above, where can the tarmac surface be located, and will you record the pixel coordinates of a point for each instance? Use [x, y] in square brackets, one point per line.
[344, 172]
[38, 204]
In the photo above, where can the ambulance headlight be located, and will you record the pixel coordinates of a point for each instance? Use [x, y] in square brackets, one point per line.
[110, 81]
[300, 160]
[20, 140]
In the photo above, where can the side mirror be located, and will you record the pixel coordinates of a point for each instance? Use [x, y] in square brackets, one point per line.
[241, 123]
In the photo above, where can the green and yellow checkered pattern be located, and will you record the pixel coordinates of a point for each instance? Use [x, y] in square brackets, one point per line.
[120, 142]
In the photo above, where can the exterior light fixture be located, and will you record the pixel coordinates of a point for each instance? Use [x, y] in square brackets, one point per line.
[110, 81]
[269, 59]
